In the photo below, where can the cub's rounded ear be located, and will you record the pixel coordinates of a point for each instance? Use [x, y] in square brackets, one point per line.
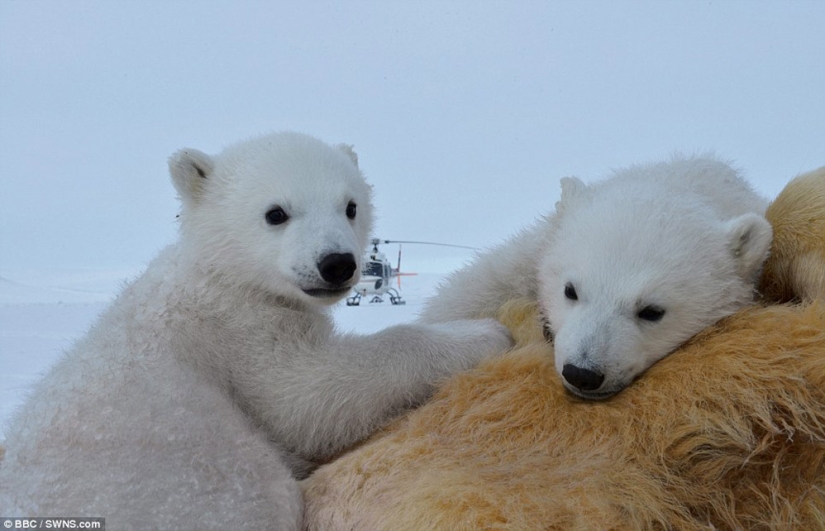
[190, 169]
[350, 152]
[749, 240]
[572, 188]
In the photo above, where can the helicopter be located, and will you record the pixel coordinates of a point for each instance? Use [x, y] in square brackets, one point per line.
[377, 274]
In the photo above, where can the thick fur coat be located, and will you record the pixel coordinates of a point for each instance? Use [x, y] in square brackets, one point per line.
[626, 269]
[217, 377]
[728, 432]
[796, 270]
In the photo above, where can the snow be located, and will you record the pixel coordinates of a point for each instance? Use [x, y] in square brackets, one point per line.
[42, 313]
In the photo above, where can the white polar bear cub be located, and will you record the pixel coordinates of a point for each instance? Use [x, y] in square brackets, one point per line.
[627, 269]
[216, 378]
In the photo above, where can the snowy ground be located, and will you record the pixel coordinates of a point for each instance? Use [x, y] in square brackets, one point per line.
[43, 312]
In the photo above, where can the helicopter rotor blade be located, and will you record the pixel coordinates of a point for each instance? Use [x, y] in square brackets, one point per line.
[430, 243]
[375, 242]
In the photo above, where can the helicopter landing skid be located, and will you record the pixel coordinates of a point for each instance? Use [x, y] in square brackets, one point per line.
[395, 299]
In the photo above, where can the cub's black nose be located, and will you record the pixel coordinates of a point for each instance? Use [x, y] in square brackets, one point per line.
[583, 379]
[337, 268]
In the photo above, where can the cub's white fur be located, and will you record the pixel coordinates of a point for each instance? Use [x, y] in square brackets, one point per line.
[627, 269]
[217, 377]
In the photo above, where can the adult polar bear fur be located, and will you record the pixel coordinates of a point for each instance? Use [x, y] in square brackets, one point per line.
[796, 269]
[217, 377]
[627, 269]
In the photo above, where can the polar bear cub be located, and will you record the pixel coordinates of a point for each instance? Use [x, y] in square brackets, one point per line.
[627, 269]
[217, 378]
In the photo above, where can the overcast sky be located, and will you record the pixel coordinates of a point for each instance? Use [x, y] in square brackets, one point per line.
[464, 114]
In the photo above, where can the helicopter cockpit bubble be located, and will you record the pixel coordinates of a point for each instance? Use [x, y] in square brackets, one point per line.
[373, 269]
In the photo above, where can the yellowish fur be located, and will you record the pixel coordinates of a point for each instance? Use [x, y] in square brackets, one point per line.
[796, 268]
[726, 433]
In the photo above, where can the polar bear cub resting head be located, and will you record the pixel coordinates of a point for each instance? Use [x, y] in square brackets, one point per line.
[308, 231]
[637, 264]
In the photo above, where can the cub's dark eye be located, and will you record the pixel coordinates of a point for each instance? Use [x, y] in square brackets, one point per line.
[651, 313]
[351, 209]
[570, 292]
[276, 216]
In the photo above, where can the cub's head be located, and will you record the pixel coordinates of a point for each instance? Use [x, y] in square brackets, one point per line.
[625, 281]
[284, 213]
